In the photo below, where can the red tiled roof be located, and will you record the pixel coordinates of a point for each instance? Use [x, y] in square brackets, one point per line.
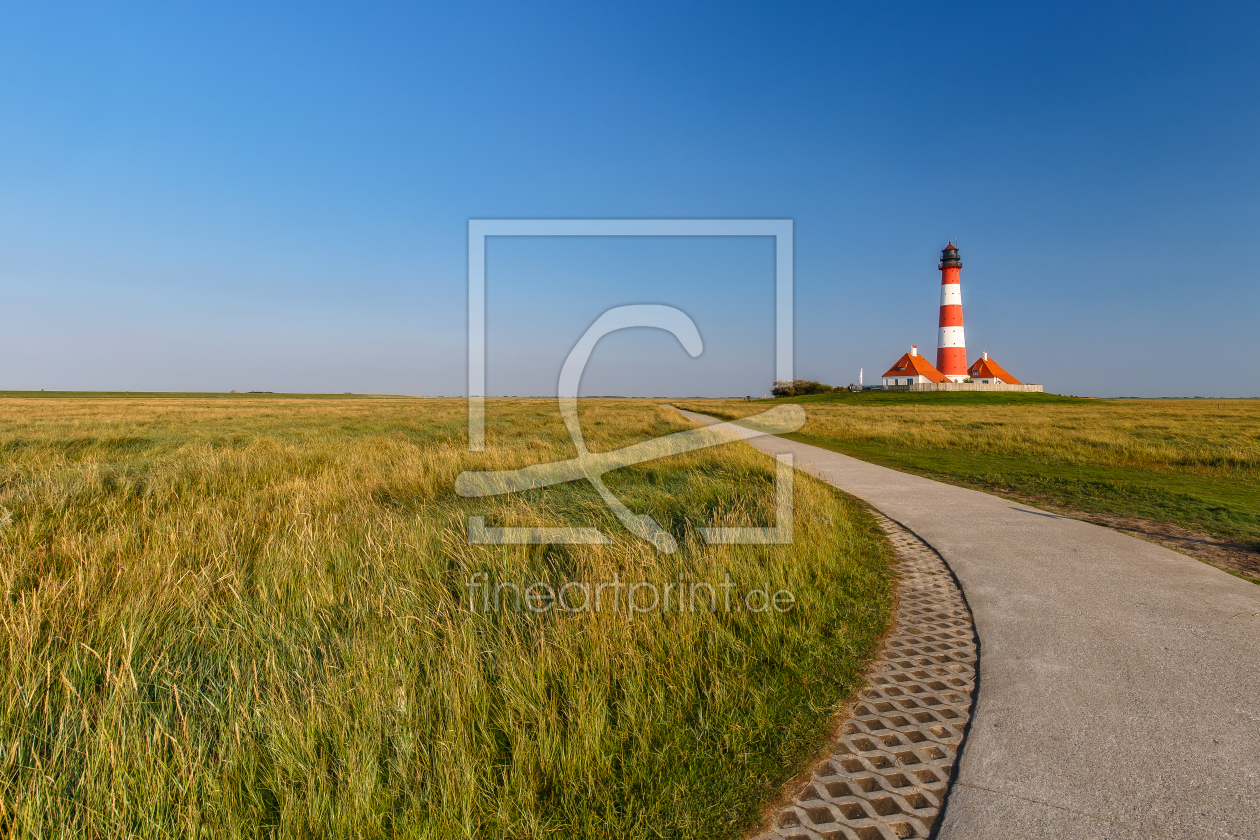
[909, 365]
[983, 368]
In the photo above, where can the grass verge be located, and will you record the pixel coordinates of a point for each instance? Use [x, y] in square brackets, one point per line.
[1190, 464]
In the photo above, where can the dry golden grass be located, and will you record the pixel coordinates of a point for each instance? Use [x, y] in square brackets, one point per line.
[250, 617]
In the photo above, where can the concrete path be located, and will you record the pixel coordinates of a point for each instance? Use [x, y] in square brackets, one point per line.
[1119, 688]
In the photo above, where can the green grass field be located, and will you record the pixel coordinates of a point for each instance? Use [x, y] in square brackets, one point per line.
[1189, 463]
[250, 617]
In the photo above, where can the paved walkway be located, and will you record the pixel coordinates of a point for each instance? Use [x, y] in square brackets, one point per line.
[1119, 688]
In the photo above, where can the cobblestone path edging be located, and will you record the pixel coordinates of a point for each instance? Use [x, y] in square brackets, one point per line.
[893, 762]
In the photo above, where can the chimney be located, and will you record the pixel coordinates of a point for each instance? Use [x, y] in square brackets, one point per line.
[914, 349]
[986, 355]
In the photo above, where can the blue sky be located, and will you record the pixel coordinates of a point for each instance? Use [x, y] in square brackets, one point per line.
[229, 197]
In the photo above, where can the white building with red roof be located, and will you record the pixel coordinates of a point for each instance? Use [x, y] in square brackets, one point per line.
[913, 369]
[988, 372]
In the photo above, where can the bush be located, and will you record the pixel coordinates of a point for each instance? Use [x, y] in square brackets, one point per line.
[799, 388]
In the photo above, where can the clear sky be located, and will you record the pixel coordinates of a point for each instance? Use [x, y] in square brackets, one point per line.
[274, 196]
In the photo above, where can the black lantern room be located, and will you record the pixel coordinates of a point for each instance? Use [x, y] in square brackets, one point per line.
[949, 257]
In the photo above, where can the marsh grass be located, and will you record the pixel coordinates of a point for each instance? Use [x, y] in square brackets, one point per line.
[1193, 463]
[250, 618]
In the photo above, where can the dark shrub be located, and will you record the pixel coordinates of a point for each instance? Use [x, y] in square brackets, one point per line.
[799, 388]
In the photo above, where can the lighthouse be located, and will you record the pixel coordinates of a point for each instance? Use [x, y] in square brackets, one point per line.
[951, 349]
[912, 372]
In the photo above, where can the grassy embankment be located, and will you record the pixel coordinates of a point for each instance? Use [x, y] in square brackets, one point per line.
[1193, 464]
[251, 618]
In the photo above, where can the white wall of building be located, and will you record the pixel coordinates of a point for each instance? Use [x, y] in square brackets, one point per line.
[906, 380]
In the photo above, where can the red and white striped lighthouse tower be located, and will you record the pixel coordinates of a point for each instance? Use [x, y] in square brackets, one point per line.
[951, 349]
